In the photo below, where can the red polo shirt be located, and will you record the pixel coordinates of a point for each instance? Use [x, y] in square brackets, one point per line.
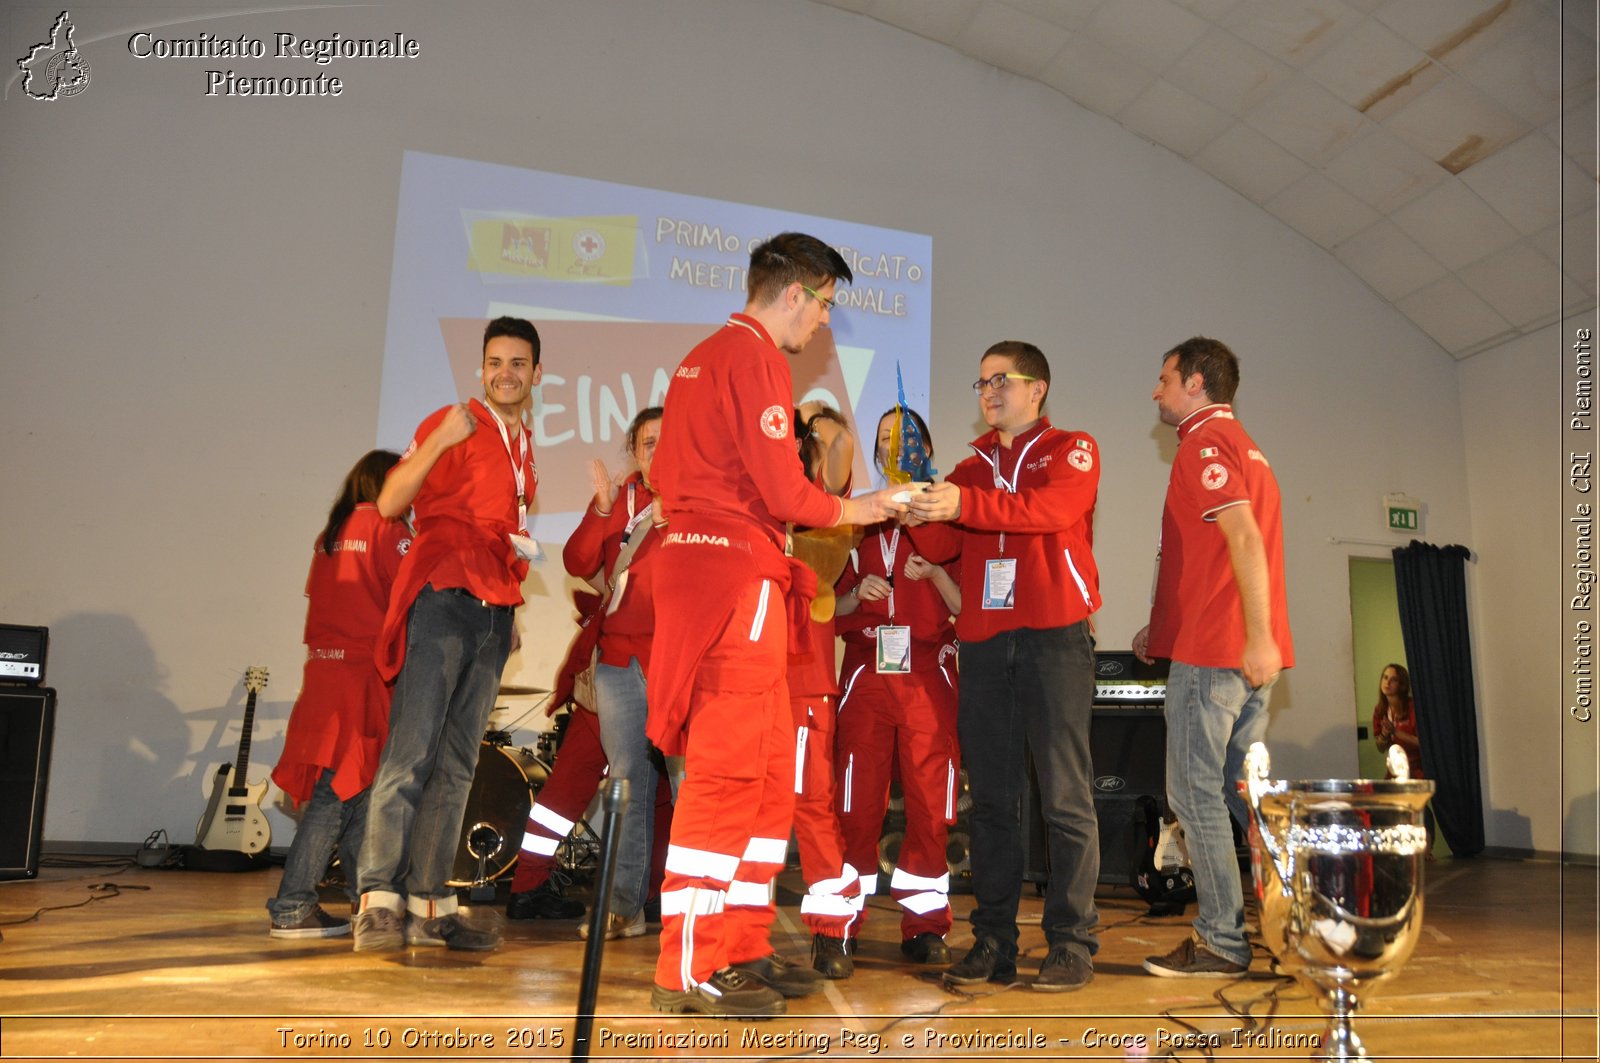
[1197, 617]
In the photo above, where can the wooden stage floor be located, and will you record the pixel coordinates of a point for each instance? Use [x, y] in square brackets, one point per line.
[125, 963]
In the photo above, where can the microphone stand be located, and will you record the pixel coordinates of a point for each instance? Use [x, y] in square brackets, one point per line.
[614, 801]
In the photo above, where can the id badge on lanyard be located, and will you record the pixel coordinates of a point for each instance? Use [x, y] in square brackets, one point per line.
[894, 649]
[1000, 573]
[519, 468]
[894, 640]
[1000, 583]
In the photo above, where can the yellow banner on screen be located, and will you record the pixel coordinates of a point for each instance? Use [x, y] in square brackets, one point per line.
[593, 249]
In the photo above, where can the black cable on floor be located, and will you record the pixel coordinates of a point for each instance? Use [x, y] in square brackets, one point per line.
[99, 891]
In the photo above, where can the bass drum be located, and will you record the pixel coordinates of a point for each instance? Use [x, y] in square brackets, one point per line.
[503, 789]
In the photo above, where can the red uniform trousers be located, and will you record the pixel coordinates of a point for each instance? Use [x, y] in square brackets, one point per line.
[834, 897]
[730, 828]
[566, 795]
[909, 719]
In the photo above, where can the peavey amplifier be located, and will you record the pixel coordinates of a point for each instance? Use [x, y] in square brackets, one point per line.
[1120, 678]
[22, 653]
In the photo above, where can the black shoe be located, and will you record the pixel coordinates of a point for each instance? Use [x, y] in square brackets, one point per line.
[727, 994]
[926, 948]
[831, 956]
[985, 962]
[790, 979]
[652, 912]
[1064, 969]
[316, 924]
[542, 902]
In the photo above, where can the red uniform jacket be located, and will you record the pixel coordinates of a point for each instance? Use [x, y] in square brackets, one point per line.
[1034, 502]
[727, 480]
[341, 718]
[630, 614]
[917, 604]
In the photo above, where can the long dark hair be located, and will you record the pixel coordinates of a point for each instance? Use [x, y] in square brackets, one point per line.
[361, 484]
[1404, 693]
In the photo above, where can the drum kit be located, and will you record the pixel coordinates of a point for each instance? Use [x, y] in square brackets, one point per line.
[958, 842]
[504, 785]
[507, 780]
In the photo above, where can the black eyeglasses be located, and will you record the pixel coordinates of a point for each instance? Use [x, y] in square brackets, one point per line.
[998, 381]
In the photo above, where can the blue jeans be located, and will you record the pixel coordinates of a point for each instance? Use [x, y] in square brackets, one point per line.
[622, 710]
[456, 648]
[1034, 689]
[327, 824]
[1213, 717]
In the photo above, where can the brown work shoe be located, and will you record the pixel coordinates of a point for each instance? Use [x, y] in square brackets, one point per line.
[1192, 959]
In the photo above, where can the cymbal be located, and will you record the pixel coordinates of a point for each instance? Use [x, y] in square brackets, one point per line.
[517, 691]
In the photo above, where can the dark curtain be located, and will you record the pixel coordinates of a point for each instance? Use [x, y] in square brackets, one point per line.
[1431, 584]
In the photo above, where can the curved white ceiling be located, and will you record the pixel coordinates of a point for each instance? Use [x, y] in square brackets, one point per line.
[1443, 150]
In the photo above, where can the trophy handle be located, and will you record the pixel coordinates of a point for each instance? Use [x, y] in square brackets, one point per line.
[1257, 766]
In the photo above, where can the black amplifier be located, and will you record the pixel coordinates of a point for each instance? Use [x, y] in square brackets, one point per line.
[1120, 678]
[22, 653]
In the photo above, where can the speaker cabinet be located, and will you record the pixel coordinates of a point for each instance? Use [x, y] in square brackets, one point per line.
[1128, 750]
[27, 725]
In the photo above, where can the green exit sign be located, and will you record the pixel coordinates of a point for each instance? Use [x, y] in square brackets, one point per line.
[1402, 512]
[1402, 518]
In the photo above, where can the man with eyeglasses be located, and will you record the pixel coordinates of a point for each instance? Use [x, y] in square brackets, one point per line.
[727, 476]
[1020, 516]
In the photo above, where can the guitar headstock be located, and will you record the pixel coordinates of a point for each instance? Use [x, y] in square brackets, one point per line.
[255, 679]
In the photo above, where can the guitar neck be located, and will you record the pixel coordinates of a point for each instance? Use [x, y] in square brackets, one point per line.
[255, 681]
[241, 774]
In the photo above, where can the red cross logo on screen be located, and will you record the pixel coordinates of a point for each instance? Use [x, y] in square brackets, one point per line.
[588, 245]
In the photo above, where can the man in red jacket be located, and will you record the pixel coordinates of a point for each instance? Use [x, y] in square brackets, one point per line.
[727, 480]
[1021, 513]
[1221, 615]
[469, 473]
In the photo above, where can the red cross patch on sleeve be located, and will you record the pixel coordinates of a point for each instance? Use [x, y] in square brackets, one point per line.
[775, 422]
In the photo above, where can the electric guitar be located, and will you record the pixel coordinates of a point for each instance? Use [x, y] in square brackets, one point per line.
[233, 818]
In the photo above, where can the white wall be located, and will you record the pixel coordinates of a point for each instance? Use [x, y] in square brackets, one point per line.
[1539, 762]
[191, 348]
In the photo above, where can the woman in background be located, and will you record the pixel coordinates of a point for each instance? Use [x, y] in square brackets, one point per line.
[341, 719]
[1394, 719]
[1394, 723]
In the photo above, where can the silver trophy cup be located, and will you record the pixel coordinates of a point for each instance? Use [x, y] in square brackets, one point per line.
[1338, 873]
